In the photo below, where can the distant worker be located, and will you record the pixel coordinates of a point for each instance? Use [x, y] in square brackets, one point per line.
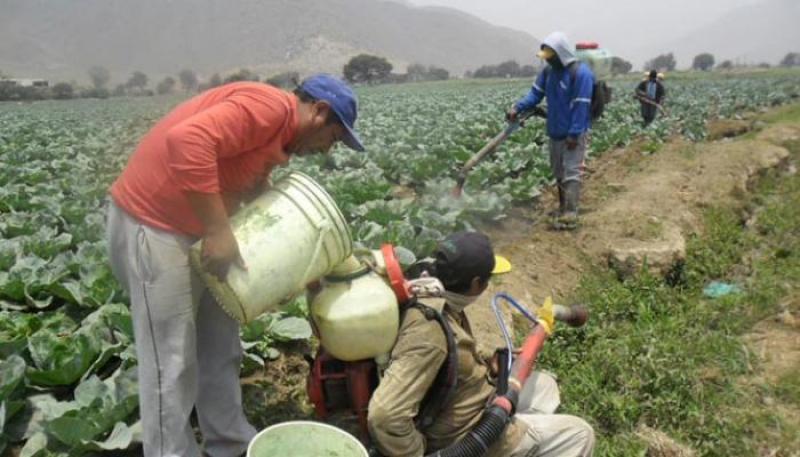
[413, 412]
[567, 84]
[188, 175]
[650, 94]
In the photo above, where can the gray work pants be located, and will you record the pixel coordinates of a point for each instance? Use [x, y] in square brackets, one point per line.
[188, 349]
[549, 434]
[567, 165]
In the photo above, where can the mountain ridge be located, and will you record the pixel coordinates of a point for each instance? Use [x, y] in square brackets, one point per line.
[39, 38]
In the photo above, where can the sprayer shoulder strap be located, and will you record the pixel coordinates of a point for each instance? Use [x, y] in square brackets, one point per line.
[444, 386]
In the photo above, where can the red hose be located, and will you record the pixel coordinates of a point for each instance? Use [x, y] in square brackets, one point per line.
[523, 366]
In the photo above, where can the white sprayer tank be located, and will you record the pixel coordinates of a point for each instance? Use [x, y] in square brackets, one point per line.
[356, 314]
[290, 236]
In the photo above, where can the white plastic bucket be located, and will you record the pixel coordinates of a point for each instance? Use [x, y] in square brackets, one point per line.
[290, 236]
[305, 439]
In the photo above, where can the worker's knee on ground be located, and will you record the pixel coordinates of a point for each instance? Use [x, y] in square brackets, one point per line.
[540, 395]
[547, 383]
[582, 433]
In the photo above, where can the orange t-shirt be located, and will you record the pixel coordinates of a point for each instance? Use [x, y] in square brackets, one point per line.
[227, 139]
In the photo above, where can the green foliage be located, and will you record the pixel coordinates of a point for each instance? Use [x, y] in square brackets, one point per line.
[703, 62]
[100, 76]
[61, 311]
[259, 337]
[138, 80]
[63, 91]
[791, 59]
[287, 80]
[366, 68]
[188, 79]
[663, 62]
[244, 74]
[725, 65]
[667, 357]
[507, 69]
[418, 72]
[166, 85]
[620, 66]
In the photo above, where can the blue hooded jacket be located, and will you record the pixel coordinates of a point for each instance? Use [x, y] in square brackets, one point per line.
[568, 102]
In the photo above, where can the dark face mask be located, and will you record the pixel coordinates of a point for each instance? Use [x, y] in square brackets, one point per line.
[555, 62]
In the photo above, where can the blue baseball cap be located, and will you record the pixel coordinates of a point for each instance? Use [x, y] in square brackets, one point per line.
[343, 101]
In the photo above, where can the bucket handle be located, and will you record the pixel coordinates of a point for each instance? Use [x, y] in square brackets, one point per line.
[324, 229]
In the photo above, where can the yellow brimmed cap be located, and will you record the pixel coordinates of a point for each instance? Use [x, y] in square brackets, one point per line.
[501, 265]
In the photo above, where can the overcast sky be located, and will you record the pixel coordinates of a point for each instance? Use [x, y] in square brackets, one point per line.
[632, 28]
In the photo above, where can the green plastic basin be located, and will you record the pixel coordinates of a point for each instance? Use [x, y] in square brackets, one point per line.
[305, 439]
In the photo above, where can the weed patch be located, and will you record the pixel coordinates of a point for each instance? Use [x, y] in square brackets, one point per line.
[666, 357]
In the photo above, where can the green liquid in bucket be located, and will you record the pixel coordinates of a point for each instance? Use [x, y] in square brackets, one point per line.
[305, 439]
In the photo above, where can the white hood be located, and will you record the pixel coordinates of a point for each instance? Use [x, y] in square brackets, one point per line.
[559, 42]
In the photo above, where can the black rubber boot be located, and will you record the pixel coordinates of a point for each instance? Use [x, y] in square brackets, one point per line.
[569, 217]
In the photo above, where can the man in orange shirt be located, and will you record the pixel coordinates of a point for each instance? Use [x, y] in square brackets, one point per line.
[191, 172]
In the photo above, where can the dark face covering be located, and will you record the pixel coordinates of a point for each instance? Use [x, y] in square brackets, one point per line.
[555, 62]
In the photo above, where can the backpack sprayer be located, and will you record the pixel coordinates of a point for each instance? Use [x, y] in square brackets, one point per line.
[338, 381]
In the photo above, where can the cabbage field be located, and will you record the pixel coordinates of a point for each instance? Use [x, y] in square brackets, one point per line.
[67, 365]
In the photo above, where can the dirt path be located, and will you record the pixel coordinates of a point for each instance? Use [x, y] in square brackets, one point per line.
[639, 207]
[636, 207]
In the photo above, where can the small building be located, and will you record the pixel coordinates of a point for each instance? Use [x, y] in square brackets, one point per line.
[24, 82]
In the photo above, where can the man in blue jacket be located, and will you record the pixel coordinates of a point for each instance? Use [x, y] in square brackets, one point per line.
[567, 84]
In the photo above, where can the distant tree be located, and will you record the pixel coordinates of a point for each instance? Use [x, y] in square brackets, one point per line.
[188, 80]
[416, 72]
[469, 74]
[286, 80]
[166, 85]
[365, 68]
[138, 80]
[243, 74]
[437, 74]
[703, 62]
[101, 92]
[30, 93]
[764, 65]
[725, 65]
[215, 80]
[620, 66]
[63, 91]
[664, 62]
[119, 90]
[508, 69]
[527, 71]
[486, 71]
[100, 76]
[395, 78]
[791, 59]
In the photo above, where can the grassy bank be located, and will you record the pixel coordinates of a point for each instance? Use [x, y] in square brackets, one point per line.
[661, 354]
